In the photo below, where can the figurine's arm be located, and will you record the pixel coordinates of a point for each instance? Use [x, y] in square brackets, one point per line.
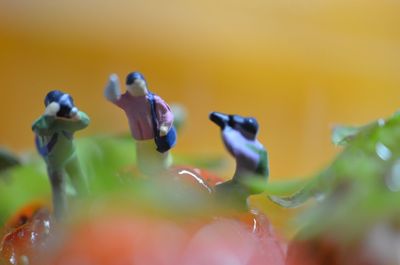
[165, 115]
[42, 126]
[112, 91]
[78, 122]
[46, 124]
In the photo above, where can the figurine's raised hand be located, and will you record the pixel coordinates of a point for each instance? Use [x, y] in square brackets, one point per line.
[52, 109]
[112, 92]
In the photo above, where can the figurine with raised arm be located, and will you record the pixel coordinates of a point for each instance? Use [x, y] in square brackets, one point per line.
[150, 121]
[239, 137]
[54, 141]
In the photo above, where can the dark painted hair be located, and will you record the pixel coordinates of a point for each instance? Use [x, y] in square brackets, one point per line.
[249, 124]
[131, 77]
[52, 96]
[65, 100]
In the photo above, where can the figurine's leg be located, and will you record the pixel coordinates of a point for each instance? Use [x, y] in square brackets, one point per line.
[58, 187]
[78, 179]
[149, 160]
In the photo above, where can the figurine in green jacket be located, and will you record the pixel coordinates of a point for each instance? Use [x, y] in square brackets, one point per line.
[54, 141]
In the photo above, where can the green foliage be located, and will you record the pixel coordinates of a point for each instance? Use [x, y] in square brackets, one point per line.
[341, 135]
[360, 187]
[108, 162]
[20, 186]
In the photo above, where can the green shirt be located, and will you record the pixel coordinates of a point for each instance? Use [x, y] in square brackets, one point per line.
[56, 134]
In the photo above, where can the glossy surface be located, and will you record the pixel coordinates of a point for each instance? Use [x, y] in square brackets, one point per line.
[200, 178]
[25, 235]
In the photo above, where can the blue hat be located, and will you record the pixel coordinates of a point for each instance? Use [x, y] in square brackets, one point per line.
[53, 96]
[132, 77]
[66, 102]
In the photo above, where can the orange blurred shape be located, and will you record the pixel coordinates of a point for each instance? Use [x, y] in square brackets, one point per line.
[143, 240]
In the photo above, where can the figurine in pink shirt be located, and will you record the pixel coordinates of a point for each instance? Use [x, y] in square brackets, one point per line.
[150, 121]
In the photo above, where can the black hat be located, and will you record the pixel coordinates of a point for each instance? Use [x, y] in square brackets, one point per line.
[248, 124]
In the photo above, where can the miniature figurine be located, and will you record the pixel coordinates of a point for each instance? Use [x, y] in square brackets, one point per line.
[54, 141]
[150, 121]
[239, 137]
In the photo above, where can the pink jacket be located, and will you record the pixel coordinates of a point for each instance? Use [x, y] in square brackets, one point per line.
[138, 112]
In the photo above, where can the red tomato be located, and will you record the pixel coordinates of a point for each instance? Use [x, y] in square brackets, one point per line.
[242, 238]
[27, 230]
[139, 240]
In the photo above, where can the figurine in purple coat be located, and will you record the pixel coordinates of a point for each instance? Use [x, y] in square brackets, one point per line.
[239, 137]
[150, 121]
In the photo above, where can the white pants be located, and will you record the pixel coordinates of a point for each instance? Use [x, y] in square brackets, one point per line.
[149, 160]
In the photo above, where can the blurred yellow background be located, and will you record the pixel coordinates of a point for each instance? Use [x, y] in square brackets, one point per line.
[297, 66]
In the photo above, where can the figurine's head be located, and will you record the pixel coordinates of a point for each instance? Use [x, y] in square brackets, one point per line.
[65, 101]
[247, 126]
[136, 84]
